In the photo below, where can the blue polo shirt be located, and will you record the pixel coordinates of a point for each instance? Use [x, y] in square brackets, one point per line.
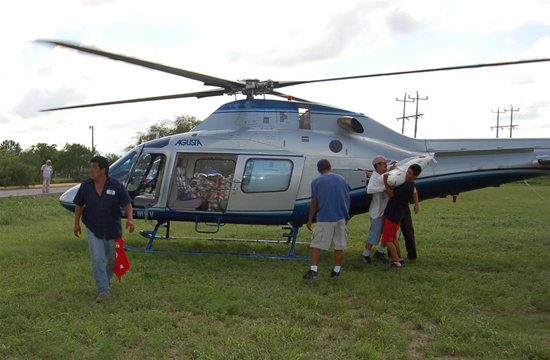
[102, 213]
[332, 193]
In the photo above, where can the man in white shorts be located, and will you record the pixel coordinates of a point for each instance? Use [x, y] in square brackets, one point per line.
[330, 201]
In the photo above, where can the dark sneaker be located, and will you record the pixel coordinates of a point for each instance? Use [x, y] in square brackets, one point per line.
[334, 273]
[366, 259]
[380, 256]
[402, 262]
[100, 298]
[395, 266]
[310, 275]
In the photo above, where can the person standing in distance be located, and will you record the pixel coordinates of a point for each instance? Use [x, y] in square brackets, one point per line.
[45, 176]
[103, 197]
[330, 201]
[376, 211]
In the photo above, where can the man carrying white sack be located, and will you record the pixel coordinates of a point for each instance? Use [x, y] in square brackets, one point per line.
[376, 210]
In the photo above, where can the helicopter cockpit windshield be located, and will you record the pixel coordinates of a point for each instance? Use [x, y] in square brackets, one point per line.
[121, 168]
[147, 177]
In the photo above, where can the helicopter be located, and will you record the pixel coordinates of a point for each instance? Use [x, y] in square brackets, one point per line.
[252, 160]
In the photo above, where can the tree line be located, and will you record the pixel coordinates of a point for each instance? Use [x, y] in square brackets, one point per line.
[22, 167]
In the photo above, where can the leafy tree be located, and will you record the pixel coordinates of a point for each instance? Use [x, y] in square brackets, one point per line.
[13, 171]
[39, 153]
[181, 124]
[74, 161]
[11, 146]
[184, 123]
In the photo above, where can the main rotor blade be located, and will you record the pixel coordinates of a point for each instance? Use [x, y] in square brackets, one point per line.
[199, 94]
[206, 79]
[281, 84]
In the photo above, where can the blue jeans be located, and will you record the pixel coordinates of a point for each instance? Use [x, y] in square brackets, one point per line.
[102, 250]
[375, 231]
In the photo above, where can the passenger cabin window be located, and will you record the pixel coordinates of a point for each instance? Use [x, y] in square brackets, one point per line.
[305, 118]
[206, 187]
[223, 167]
[266, 175]
[147, 175]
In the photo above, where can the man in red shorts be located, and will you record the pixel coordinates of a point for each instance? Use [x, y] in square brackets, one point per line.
[395, 211]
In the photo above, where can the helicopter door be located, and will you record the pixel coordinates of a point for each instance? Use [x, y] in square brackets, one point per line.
[144, 182]
[265, 184]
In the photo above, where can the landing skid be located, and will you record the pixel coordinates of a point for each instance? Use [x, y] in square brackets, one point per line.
[291, 236]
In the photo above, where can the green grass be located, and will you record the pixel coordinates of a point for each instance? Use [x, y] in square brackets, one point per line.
[480, 289]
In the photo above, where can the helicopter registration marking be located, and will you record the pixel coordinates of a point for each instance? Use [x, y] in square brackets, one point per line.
[142, 214]
[189, 142]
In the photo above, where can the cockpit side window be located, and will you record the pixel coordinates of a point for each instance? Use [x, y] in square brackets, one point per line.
[147, 175]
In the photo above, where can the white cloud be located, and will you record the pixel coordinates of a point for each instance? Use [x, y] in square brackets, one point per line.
[283, 41]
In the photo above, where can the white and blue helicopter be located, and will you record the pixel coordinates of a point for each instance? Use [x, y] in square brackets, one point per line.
[252, 161]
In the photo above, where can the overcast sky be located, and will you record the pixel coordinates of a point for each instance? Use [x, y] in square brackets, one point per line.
[279, 40]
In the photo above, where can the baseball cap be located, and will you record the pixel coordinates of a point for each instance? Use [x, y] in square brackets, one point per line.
[378, 159]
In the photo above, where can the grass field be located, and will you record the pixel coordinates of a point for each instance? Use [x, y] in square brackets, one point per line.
[480, 289]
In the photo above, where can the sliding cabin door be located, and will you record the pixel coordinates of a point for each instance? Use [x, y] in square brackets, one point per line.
[265, 184]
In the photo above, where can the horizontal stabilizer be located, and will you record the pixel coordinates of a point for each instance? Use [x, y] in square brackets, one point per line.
[498, 151]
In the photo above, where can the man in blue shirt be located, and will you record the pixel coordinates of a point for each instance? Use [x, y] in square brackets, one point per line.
[103, 197]
[330, 201]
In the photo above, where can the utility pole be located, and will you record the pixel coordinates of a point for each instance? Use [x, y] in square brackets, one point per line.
[405, 101]
[511, 119]
[91, 127]
[498, 112]
[417, 115]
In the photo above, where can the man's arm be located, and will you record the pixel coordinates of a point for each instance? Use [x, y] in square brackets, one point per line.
[373, 187]
[367, 172]
[130, 217]
[77, 214]
[312, 212]
[416, 202]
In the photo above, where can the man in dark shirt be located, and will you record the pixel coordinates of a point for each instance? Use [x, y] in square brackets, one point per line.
[103, 197]
[395, 211]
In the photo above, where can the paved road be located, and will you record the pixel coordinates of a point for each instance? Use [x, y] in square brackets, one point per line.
[55, 190]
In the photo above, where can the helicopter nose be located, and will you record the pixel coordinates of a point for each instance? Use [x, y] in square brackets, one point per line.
[66, 199]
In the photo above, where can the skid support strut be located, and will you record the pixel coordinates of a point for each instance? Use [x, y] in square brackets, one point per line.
[291, 235]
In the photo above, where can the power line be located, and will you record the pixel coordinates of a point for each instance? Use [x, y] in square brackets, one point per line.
[405, 101]
[511, 126]
[498, 112]
[417, 115]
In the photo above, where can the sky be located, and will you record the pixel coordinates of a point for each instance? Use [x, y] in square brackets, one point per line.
[279, 40]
